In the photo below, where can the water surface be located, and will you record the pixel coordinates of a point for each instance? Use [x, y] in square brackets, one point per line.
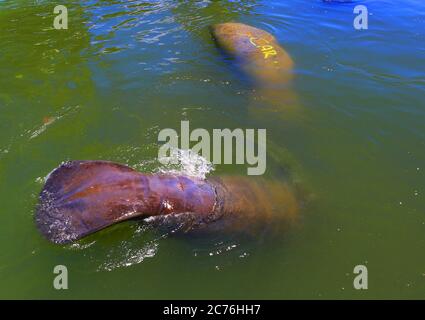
[124, 70]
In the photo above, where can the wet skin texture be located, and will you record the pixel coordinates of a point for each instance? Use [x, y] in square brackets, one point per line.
[259, 56]
[82, 197]
[257, 50]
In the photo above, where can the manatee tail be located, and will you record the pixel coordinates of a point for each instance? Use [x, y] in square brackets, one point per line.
[82, 197]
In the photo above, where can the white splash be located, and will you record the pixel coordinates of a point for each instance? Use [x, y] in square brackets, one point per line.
[186, 162]
[132, 251]
[132, 257]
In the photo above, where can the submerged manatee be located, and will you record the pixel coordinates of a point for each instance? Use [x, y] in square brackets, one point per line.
[261, 58]
[82, 197]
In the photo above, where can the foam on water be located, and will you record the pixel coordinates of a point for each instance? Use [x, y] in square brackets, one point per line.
[185, 162]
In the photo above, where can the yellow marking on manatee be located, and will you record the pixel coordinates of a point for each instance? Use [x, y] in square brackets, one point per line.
[269, 53]
[267, 49]
[253, 41]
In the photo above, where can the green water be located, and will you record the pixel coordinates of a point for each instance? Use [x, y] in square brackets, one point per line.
[124, 70]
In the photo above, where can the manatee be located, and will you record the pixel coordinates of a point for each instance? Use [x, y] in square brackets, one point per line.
[259, 56]
[82, 197]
